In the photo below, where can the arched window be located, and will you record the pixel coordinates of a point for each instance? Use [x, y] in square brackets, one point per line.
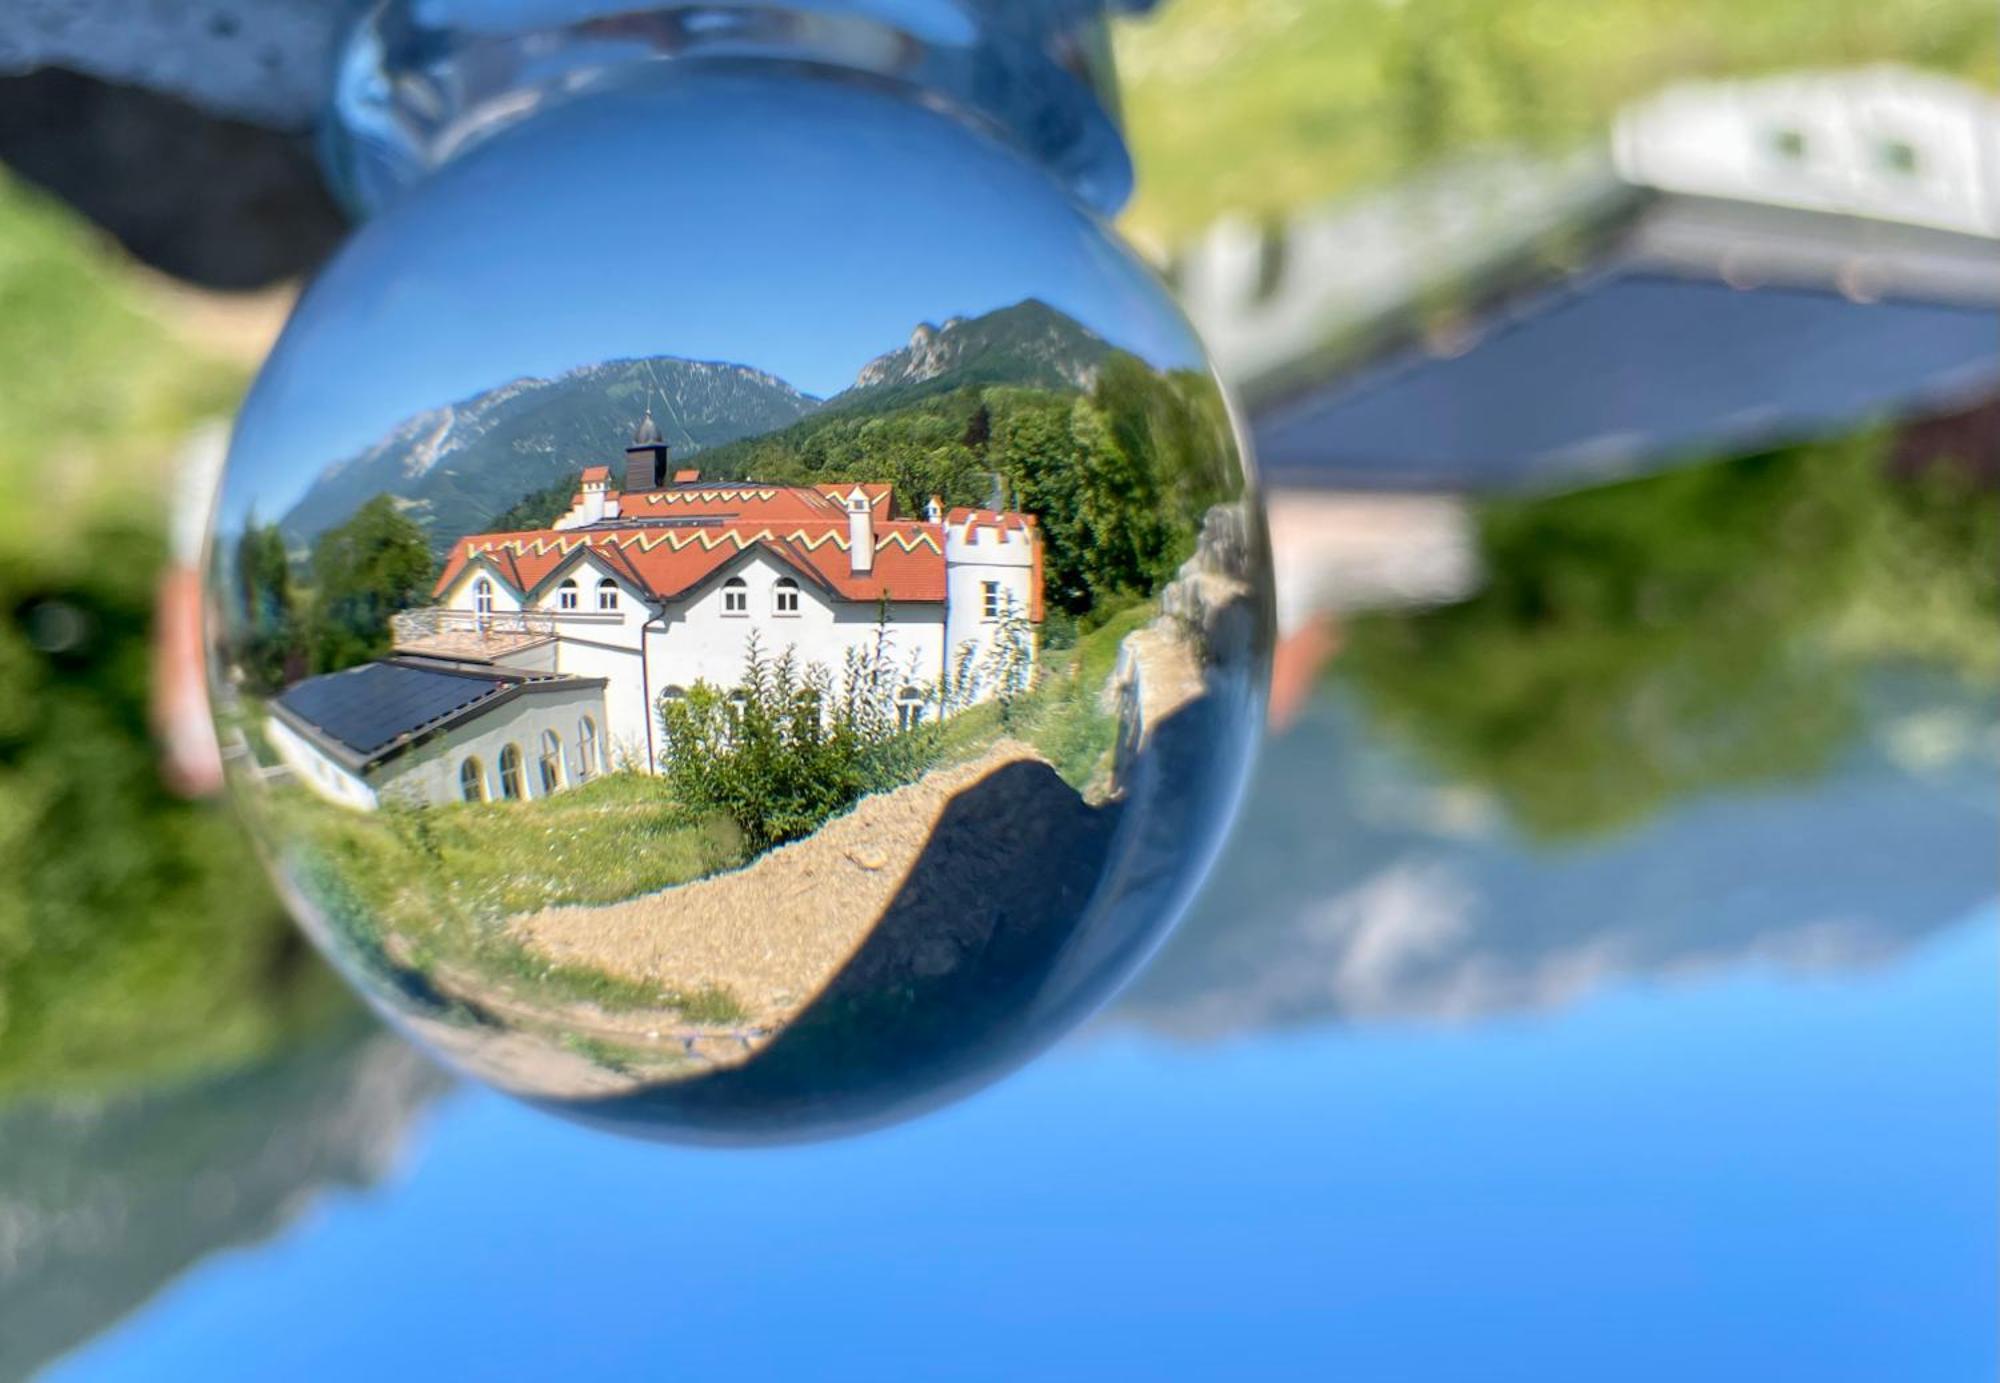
[511, 786]
[607, 594]
[736, 596]
[568, 597]
[472, 781]
[673, 693]
[551, 762]
[482, 596]
[785, 596]
[909, 708]
[586, 747]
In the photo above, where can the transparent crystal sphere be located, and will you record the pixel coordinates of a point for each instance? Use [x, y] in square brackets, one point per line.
[738, 609]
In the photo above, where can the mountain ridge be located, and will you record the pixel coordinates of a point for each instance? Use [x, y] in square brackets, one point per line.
[456, 467]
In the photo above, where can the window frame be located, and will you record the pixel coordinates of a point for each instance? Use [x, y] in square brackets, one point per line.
[569, 595]
[991, 601]
[482, 596]
[736, 598]
[472, 780]
[785, 592]
[586, 748]
[513, 773]
[607, 595]
[549, 763]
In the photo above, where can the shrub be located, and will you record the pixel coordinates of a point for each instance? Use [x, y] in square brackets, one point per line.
[783, 752]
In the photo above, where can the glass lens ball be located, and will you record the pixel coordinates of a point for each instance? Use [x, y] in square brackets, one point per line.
[738, 610]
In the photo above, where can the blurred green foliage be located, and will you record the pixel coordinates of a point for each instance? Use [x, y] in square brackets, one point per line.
[138, 940]
[1703, 629]
[1262, 107]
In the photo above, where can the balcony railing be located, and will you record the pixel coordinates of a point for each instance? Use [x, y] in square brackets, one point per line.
[468, 631]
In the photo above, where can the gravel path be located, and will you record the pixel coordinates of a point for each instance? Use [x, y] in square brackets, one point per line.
[776, 932]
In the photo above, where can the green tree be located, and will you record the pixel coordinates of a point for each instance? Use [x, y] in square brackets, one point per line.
[364, 571]
[271, 634]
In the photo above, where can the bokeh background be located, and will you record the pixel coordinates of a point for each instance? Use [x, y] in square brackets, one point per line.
[1549, 732]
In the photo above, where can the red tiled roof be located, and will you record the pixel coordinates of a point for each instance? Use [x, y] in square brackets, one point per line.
[807, 528]
[668, 562]
[596, 473]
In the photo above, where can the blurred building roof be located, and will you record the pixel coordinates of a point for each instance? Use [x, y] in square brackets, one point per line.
[1743, 264]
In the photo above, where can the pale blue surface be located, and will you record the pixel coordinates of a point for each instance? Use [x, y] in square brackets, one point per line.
[1750, 1174]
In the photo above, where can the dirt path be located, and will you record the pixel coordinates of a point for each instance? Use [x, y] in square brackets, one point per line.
[774, 933]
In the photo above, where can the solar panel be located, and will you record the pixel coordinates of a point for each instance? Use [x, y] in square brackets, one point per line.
[1627, 370]
[369, 707]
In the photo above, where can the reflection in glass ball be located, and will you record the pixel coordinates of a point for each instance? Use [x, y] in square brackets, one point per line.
[738, 610]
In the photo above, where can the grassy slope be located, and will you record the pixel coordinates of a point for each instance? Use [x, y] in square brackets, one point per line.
[432, 887]
[1260, 107]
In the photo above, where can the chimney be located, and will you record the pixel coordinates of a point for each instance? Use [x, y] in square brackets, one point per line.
[646, 458]
[934, 511]
[860, 533]
[686, 477]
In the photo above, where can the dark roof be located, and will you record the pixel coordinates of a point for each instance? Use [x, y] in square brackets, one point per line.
[367, 713]
[1625, 370]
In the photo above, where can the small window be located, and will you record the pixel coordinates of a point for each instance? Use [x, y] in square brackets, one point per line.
[1898, 156]
[785, 596]
[909, 708]
[551, 762]
[673, 694]
[586, 748]
[511, 785]
[482, 596]
[736, 596]
[472, 781]
[607, 594]
[1790, 144]
[568, 596]
[989, 599]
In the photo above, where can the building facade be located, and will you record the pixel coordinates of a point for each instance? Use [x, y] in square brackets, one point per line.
[638, 592]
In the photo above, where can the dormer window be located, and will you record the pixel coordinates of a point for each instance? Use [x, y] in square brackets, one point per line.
[785, 596]
[482, 596]
[736, 596]
[568, 596]
[607, 594]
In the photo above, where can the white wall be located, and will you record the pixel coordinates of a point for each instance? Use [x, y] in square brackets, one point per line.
[597, 643]
[429, 773]
[971, 560]
[700, 641]
[315, 769]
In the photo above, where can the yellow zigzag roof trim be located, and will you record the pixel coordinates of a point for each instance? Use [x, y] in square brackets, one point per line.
[708, 538]
[707, 496]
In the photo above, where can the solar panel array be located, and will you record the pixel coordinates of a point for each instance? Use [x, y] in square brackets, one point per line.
[369, 707]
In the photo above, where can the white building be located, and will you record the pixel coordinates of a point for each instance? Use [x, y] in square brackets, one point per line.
[636, 594]
[420, 730]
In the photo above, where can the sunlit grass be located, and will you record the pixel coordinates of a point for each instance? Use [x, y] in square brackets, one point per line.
[1265, 106]
[432, 887]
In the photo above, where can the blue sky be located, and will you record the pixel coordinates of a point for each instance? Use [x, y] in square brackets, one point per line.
[690, 221]
[1759, 1175]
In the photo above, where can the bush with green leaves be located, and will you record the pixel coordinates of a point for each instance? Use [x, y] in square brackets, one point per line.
[791, 746]
[785, 749]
